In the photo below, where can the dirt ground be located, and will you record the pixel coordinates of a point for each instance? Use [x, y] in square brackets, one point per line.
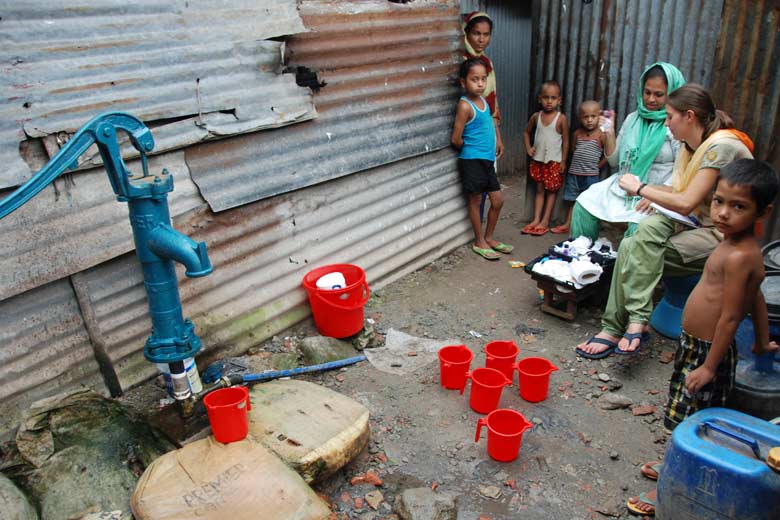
[579, 461]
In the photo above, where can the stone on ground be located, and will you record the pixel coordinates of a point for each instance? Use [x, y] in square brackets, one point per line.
[213, 481]
[425, 504]
[321, 349]
[315, 430]
[15, 505]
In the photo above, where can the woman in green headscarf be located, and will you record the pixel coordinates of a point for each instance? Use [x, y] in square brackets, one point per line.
[645, 147]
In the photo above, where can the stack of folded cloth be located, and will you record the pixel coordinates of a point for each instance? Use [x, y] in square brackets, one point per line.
[577, 272]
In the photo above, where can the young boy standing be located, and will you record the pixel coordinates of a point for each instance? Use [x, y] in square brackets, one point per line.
[548, 155]
[476, 136]
[729, 288]
[591, 146]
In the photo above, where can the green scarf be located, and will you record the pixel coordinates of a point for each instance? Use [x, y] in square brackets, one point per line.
[644, 135]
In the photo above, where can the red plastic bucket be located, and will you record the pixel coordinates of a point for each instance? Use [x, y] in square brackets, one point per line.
[505, 433]
[338, 313]
[501, 356]
[486, 387]
[454, 362]
[227, 408]
[533, 376]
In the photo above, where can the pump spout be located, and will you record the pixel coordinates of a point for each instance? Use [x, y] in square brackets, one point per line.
[167, 243]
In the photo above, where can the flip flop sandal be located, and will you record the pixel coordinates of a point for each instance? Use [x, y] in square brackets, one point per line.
[643, 338]
[527, 229]
[651, 470]
[611, 347]
[538, 231]
[642, 498]
[503, 248]
[560, 230]
[487, 254]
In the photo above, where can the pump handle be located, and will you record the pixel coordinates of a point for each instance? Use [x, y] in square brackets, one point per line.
[101, 131]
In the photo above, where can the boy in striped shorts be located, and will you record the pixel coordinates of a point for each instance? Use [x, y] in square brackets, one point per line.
[587, 159]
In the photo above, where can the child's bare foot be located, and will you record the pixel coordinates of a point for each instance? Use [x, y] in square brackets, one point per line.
[559, 230]
[634, 341]
[644, 504]
[765, 349]
[595, 348]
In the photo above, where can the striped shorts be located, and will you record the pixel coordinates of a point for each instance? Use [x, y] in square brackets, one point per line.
[690, 355]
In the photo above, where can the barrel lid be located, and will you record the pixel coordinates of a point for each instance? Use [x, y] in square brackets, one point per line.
[771, 289]
[771, 253]
[773, 458]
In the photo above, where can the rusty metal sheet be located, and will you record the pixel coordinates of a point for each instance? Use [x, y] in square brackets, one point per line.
[598, 50]
[76, 223]
[389, 95]
[201, 67]
[389, 220]
[44, 349]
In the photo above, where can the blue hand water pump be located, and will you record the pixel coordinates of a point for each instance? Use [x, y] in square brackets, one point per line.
[157, 244]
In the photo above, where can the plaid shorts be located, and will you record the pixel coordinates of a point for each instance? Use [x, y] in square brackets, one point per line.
[691, 354]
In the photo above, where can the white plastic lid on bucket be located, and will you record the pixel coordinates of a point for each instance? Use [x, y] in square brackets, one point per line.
[331, 281]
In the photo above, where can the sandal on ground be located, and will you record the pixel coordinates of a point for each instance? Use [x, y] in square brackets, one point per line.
[642, 498]
[651, 469]
[527, 229]
[503, 248]
[560, 230]
[611, 347]
[643, 338]
[487, 254]
[539, 231]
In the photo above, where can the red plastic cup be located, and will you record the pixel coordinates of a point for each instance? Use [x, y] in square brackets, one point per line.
[486, 387]
[505, 433]
[533, 377]
[454, 362]
[227, 409]
[501, 356]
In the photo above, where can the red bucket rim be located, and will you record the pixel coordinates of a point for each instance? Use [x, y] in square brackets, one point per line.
[524, 423]
[502, 342]
[310, 278]
[552, 367]
[211, 396]
[460, 348]
[489, 370]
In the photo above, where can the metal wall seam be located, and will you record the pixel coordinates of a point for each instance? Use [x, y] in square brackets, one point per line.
[389, 220]
[77, 223]
[44, 349]
[160, 61]
[390, 93]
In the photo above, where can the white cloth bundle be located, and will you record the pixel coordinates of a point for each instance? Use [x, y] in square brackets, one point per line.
[585, 272]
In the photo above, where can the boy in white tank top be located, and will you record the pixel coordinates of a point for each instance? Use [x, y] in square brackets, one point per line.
[548, 155]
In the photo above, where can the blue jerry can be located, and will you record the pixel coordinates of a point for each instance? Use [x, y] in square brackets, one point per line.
[715, 468]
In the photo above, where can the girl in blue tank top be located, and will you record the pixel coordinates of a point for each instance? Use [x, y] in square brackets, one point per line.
[474, 134]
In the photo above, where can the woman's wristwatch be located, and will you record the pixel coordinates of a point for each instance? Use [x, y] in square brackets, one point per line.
[639, 190]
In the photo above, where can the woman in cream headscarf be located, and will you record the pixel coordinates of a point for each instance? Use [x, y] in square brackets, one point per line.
[660, 245]
[477, 30]
[645, 147]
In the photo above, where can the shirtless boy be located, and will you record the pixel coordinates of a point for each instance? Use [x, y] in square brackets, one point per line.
[729, 288]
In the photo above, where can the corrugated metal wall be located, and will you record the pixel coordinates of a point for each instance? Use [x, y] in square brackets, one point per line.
[395, 213]
[746, 78]
[598, 50]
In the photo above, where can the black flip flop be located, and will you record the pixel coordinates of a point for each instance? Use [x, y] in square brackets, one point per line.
[612, 346]
[643, 338]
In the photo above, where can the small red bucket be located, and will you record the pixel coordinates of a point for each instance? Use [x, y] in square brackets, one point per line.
[227, 409]
[505, 433]
[486, 387]
[501, 356]
[338, 313]
[454, 362]
[533, 376]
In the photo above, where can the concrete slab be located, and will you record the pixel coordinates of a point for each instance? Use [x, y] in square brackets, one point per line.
[315, 430]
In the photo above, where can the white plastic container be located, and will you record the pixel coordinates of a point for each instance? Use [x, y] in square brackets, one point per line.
[190, 369]
[331, 281]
